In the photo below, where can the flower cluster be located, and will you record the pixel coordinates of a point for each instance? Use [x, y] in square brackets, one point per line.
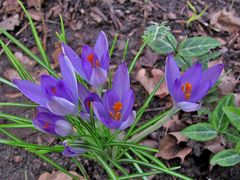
[58, 98]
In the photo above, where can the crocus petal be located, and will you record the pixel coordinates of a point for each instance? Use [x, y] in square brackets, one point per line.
[121, 80]
[212, 74]
[68, 75]
[45, 122]
[177, 93]
[109, 99]
[127, 101]
[63, 128]
[72, 151]
[172, 72]
[61, 106]
[200, 91]
[74, 58]
[47, 82]
[102, 115]
[188, 106]
[92, 97]
[101, 45]
[32, 91]
[104, 63]
[193, 75]
[98, 77]
[128, 122]
[63, 90]
[82, 92]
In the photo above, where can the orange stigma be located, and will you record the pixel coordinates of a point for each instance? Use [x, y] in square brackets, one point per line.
[53, 89]
[187, 90]
[89, 103]
[90, 58]
[46, 125]
[117, 107]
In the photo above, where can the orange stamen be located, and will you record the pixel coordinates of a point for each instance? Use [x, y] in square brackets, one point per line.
[97, 63]
[117, 107]
[187, 90]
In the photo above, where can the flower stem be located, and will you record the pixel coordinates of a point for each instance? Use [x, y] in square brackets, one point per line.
[155, 126]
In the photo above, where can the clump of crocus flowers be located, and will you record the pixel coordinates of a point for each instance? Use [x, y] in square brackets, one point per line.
[60, 98]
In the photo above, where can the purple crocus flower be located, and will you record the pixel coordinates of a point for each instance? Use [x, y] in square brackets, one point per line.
[86, 98]
[72, 151]
[60, 96]
[115, 110]
[94, 63]
[189, 88]
[50, 123]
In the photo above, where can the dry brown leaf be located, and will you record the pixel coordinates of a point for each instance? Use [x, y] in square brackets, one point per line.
[149, 83]
[148, 59]
[169, 149]
[13, 95]
[11, 74]
[150, 143]
[174, 124]
[55, 55]
[214, 145]
[10, 22]
[36, 15]
[25, 61]
[180, 138]
[35, 3]
[237, 99]
[228, 81]
[225, 21]
[57, 175]
[227, 85]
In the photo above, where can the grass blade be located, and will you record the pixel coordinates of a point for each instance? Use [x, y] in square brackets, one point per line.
[138, 168]
[16, 64]
[16, 126]
[170, 172]
[143, 108]
[28, 52]
[36, 37]
[108, 169]
[16, 104]
[4, 81]
[131, 145]
[16, 119]
[136, 58]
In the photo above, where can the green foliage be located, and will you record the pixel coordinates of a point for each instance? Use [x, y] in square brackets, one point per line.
[195, 16]
[218, 119]
[226, 158]
[200, 132]
[197, 46]
[233, 114]
[160, 39]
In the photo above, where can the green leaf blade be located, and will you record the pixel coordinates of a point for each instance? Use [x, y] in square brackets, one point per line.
[233, 114]
[160, 39]
[226, 158]
[218, 119]
[197, 46]
[200, 132]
